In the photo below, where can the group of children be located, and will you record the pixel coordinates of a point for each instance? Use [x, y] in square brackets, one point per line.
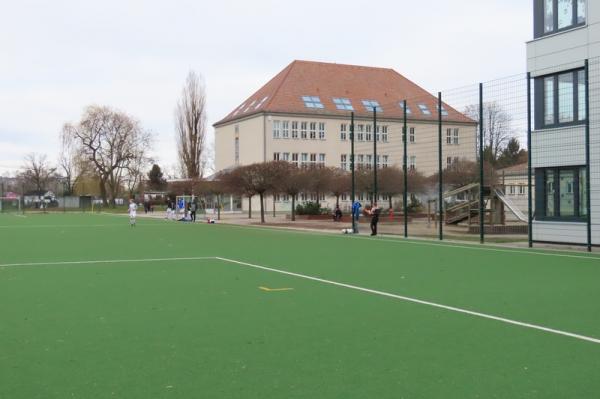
[189, 213]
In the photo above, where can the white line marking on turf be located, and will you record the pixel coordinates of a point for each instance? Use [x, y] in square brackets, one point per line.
[324, 281]
[91, 262]
[419, 301]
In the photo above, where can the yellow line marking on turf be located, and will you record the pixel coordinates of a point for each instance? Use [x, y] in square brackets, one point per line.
[275, 289]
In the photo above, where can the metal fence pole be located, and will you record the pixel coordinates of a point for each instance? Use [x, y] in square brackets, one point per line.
[481, 171]
[405, 169]
[440, 171]
[374, 199]
[587, 156]
[352, 167]
[529, 167]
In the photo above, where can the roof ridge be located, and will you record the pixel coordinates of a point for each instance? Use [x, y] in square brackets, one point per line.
[283, 79]
[345, 65]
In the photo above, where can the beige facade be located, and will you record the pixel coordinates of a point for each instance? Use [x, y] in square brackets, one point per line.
[303, 139]
[322, 140]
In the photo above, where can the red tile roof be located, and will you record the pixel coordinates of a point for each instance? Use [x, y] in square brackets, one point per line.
[283, 93]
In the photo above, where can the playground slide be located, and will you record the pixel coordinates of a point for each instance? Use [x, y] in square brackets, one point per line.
[513, 208]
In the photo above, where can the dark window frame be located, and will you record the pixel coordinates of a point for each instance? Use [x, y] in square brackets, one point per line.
[541, 197]
[540, 97]
[539, 17]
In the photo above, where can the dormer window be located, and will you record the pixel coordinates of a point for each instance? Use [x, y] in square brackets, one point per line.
[371, 105]
[552, 16]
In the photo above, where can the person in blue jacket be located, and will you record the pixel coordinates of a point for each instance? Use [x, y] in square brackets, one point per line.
[355, 215]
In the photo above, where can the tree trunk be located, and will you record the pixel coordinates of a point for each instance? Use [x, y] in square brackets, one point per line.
[337, 201]
[318, 200]
[103, 192]
[273, 205]
[218, 207]
[293, 208]
[390, 198]
[249, 207]
[262, 208]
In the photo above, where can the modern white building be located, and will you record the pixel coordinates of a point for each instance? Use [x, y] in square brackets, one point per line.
[302, 116]
[566, 33]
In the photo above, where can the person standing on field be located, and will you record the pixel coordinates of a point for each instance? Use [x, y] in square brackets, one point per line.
[374, 212]
[193, 209]
[132, 212]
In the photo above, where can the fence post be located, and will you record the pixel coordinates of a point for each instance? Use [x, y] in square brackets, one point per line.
[352, 196]
[405, 169]
[587, 156]
[529, 167]
[374, 199]
[481, 171]
[441, 180]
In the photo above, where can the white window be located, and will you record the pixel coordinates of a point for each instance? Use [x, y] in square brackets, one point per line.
[360, 136]
[384, 134]
[412, 165]
[368, 133]
[294, 129]
[384, 162]
[448, 136]
[285, 129]
[343, 132]
[444, 111]
[303, 197]
[303, 126]
[304, 159]
[411, 135]
[360, 160]
[521, 189]
[321, 131]
[313, 159]
[455, 137]
[276, 129]
[295, 159]
[344, 197]
[237, 150]
[275, 156]
[369, 161]
[511, 190]
[449, 161]
[313, 130]
[285, 156]
[344, 162]
[322, 159]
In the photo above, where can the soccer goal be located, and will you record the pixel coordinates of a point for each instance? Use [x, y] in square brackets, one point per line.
[10, 205]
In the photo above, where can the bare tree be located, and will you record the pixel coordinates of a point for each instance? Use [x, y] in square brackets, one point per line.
[114, 143]
[496, 128]
[70, 162]
[240, 181]
[391, 182]
[340, 184]
[319, 180]
[296, 180]
[37, 172]
[190, 126]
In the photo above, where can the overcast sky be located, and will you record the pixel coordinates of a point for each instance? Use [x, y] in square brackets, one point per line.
[56, 57]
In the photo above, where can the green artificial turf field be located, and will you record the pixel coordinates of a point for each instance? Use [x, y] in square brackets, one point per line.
[91, 308]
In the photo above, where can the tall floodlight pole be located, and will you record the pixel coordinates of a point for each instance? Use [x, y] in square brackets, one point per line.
[440, 171]
[405, 169]
[352, 168]
[529, 178]
[374, 199]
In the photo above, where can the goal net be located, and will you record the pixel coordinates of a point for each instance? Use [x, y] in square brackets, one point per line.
[10, 204]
